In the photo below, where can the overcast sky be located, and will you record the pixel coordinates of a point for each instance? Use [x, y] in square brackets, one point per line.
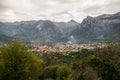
[55, 10]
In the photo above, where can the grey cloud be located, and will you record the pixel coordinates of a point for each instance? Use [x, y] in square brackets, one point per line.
[3, 6]
[92, 9]
[114, 3]
[61, 13]
[55, 9]
[67, 1]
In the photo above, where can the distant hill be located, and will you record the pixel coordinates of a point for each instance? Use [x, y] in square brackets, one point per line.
[4, 38]
[103, 28]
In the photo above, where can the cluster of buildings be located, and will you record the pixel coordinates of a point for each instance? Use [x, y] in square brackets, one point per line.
[64, 48]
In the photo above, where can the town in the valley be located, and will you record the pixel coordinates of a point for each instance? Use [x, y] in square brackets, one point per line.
[64, 47]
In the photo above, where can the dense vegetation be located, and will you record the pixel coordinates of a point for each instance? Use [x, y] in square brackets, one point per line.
[17, 62]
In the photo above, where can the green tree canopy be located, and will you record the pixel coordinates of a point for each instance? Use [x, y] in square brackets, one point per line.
[18, 63]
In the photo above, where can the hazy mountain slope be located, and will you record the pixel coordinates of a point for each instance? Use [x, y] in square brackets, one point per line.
[31, 30]
[104, 27]
[67, 27]
[4, 38]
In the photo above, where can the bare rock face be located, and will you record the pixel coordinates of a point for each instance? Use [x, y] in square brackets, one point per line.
[105, 27]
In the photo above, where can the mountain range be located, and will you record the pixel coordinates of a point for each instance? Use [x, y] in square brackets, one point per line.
[102, 28]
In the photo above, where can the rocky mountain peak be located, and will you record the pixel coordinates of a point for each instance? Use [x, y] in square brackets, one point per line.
[118, 13]
[72, 21]
[104, 16]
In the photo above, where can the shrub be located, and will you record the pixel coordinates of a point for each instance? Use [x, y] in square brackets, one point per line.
[49, 73]
[64, 73]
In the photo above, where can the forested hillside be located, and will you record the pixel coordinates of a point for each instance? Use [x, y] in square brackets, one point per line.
[17, 62]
